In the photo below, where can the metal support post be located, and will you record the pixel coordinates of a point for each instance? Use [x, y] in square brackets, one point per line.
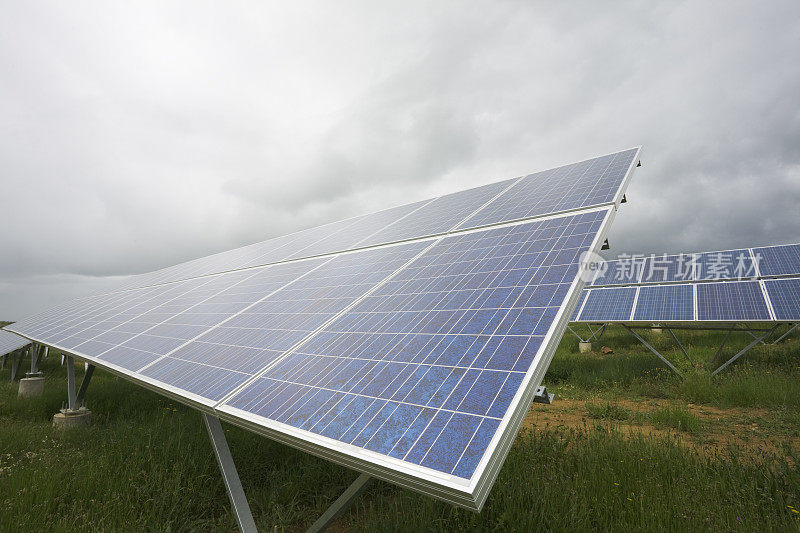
[34, 357]
[3, 361]
[241, 509]
[747, 329]
[680, 346]
[653, 350]
[16, 357]
[87, 377]
[335, 511]
[779, 339]
[72, 403]
[738, 355]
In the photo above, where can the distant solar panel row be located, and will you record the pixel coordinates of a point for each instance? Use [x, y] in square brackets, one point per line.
[724, 301]
[408, 360]
[9, 342]
[740, 264]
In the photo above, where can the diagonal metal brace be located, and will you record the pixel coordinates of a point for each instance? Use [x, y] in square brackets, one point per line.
[87, 377]
[721, 346]
[653, 350]
[340, 505]
[241, 509]
[779, 339]
[741, 353]
[680, 346]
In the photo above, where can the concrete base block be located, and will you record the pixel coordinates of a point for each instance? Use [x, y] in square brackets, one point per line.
[584, 347]
[32, 386]
[657, 331]
[68, 419]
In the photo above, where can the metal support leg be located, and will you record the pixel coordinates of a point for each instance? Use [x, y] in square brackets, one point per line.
[87, 377]
[721, 346]
[680, 346]
[602, 331]
[15, 360]
[241, 509]
[653, 350]
[738, 355]
[3, 361]
[779, 339]
[72, 403]
[35, 351]
[335, 511]
[746, 329]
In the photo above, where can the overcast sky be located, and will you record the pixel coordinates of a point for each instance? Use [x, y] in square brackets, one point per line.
[141, 135]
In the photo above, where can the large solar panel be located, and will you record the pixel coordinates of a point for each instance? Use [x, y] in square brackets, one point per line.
[665, 302]
[778, 260]
[394, 344]
[604, 303]
[733, 300]
[10, 342]
[784, 294]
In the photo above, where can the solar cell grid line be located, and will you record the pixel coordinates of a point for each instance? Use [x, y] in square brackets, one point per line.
[441, 215]
[423, 370]
[215, 363]
[731, 301]
[608, 305]
[784, 294]
[619, 272]
[665, 302]
[588, 183]
[10, 342]
[778, 260]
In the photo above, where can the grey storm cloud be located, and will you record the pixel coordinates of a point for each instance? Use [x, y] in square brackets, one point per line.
[138, 136]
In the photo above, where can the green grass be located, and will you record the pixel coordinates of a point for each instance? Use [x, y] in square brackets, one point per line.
[145, 464]
[675, 417]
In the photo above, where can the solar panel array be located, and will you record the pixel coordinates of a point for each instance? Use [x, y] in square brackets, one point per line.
[406, 343]
[755, 284]
[9, 342]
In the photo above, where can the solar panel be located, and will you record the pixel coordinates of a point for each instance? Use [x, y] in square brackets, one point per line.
[10, 342]
[298, 347]
[778, 260]
[424, 369]
[730, 301]
[608, 305]
[785, 297]
[579, 185]
[665, 302]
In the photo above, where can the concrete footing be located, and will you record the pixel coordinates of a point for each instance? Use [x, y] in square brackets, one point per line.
[68, 419]
[31, 386]
[584, 347]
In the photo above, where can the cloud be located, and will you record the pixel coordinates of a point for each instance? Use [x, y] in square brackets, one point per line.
[134, 137]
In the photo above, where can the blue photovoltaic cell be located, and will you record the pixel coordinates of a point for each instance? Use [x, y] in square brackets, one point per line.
[785, 297]
[264, 326]
[592, 182]
[727, 264]
[660, 268]
[424, 368]
[607, 305]
[778, 260]
[619, 272]
[665, 302]
[439, 216]
[736, 300]
[10, 342]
